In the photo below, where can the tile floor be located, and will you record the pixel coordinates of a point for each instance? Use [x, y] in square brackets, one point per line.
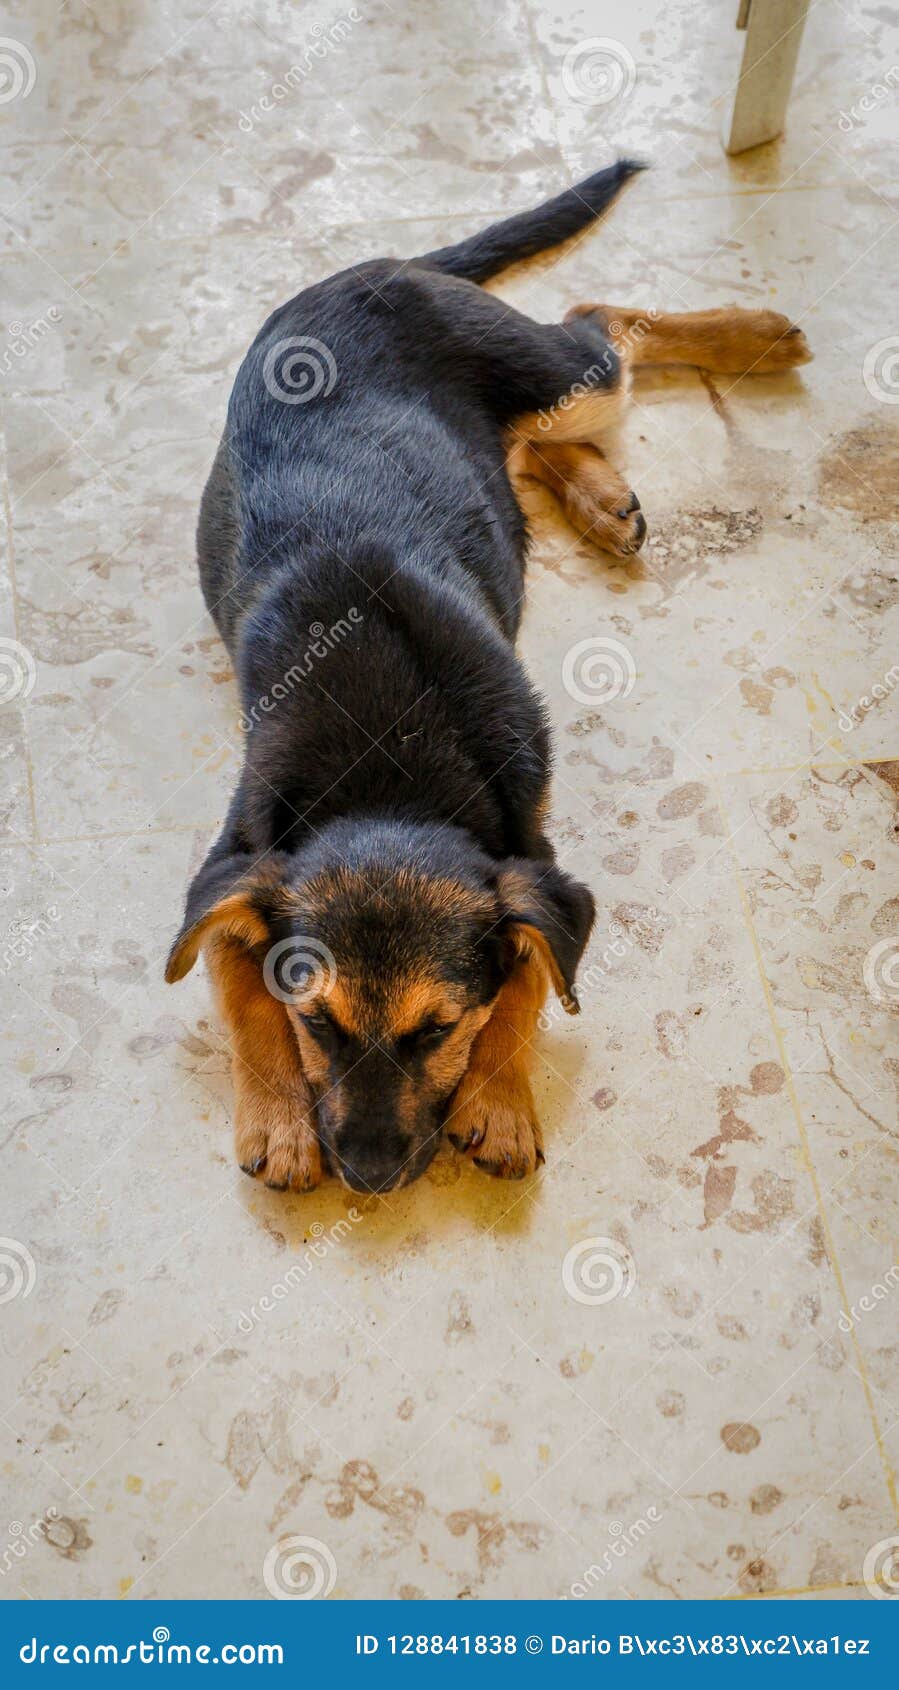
[440, 1389]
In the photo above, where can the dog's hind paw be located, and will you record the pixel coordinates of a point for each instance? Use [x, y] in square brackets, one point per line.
[620, 531]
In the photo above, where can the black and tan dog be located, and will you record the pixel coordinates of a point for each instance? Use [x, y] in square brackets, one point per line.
[382, 915]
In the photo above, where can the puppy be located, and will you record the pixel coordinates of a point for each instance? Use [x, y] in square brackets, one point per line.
[382, 916]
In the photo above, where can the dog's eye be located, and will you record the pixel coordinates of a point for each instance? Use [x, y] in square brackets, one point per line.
[431, 1033]
[318, 1025]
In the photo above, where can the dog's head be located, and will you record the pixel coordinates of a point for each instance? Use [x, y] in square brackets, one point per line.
[388, 944]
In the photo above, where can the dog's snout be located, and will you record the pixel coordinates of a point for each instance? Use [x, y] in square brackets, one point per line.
[374, 1156]
[370, 1153]
[368, 1174]
[369, 1164]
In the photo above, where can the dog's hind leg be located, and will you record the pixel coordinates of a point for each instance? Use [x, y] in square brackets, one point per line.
[596, 499]
[729, 340]
[554, 388]
[561, 443]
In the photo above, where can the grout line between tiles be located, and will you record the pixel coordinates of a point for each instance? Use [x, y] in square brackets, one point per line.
[805, 1144]
[795, 1590]
[207, 824]
[17, 625]
[468, 217]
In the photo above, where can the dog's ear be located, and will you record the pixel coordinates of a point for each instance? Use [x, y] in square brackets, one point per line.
[547, 911]
[230, 895]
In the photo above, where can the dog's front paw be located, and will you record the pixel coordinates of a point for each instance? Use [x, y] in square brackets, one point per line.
[275, 1138]
[495, 1123]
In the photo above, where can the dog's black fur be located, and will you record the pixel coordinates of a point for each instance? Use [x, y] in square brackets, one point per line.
[378, 518]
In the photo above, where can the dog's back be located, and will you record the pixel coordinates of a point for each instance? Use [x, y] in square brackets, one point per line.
[373, 405]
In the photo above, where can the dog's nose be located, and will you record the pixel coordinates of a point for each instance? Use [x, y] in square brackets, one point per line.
[368, 1173]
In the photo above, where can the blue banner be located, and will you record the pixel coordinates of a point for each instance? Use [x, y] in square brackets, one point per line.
[501, 1642]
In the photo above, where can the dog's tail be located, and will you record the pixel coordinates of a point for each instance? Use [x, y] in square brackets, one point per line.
[531, 232]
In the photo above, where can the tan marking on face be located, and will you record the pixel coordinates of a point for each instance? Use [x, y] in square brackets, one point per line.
[315, 1061]
[342, 1003]
[446, 1064]
[420, 1001]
